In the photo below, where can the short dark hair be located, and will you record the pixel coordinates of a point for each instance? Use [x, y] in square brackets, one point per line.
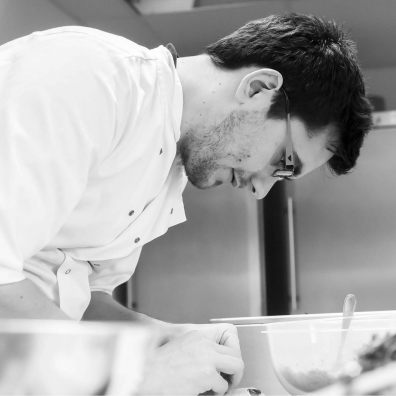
[320, 70]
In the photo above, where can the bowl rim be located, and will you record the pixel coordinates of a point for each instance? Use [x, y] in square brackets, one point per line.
[312, 325]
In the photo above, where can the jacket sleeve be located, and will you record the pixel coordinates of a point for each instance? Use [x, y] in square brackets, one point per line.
[57, 119]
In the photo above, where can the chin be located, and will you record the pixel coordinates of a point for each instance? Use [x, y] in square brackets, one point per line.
[202, 185]
[202, 182]
[200, 172]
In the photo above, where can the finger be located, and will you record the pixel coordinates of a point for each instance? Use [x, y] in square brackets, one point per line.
[228, 378]
[232, 366]
[228, 335]
[227, 350]
[228, 364]
[219, 385]
[231, 352]
[222, 333]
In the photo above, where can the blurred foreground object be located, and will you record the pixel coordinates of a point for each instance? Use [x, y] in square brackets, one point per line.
[72, 358]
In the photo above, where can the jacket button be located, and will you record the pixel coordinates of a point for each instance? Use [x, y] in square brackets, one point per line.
[137, 240]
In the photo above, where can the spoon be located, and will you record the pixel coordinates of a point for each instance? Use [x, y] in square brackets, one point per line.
[348, 310]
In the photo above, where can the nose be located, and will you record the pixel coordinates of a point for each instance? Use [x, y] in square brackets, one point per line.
[262, 185]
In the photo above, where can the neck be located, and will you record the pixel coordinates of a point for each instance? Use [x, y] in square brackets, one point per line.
[193, 70]
[203, 85]
[208, 91]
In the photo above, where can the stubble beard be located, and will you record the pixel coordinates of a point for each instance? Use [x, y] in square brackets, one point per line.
[198, 153]
[201, 149]
[198, 169]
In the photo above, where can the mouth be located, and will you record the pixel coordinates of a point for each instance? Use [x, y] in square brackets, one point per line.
[233, 178]
[235, 181]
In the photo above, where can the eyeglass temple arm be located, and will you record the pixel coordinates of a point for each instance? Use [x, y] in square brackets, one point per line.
[289, 160]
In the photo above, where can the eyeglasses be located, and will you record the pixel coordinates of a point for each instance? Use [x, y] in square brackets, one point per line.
[288, 164]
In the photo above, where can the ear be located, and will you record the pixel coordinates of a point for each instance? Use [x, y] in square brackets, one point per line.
[259, 81]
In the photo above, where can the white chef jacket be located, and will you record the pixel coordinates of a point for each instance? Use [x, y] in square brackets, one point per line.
[88, 170]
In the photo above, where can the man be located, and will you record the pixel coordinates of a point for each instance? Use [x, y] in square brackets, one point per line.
[97, 132]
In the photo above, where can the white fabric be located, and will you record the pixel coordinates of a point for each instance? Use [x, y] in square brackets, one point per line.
[88, 128]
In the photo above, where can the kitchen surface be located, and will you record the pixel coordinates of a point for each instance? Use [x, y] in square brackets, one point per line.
[278, 269]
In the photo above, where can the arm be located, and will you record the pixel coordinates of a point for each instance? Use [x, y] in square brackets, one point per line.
[24, 300]
[103, 307]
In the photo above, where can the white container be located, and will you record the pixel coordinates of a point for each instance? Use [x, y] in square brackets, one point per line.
[256, 354]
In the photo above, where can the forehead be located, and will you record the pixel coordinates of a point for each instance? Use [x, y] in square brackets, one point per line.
[311, 147]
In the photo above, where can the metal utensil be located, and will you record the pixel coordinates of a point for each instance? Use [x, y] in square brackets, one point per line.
[348, 310]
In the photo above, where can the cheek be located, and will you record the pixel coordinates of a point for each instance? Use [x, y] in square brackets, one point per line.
[259, 156]
[250, 144]
[260, 145]
[245, 148]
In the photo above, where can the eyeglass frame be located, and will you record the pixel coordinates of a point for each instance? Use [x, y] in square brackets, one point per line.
[288, 169]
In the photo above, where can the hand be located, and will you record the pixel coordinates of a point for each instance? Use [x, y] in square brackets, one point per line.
[223, 334]
[192, 362]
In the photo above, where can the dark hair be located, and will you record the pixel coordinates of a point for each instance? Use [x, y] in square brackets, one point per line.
[321, 75]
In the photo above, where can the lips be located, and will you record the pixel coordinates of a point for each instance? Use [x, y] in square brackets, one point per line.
[235, 181]
[233, 178]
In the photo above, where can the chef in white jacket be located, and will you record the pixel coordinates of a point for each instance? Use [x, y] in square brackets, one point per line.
[98, 136]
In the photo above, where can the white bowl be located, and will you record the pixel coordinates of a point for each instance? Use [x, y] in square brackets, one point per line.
[306, 354]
